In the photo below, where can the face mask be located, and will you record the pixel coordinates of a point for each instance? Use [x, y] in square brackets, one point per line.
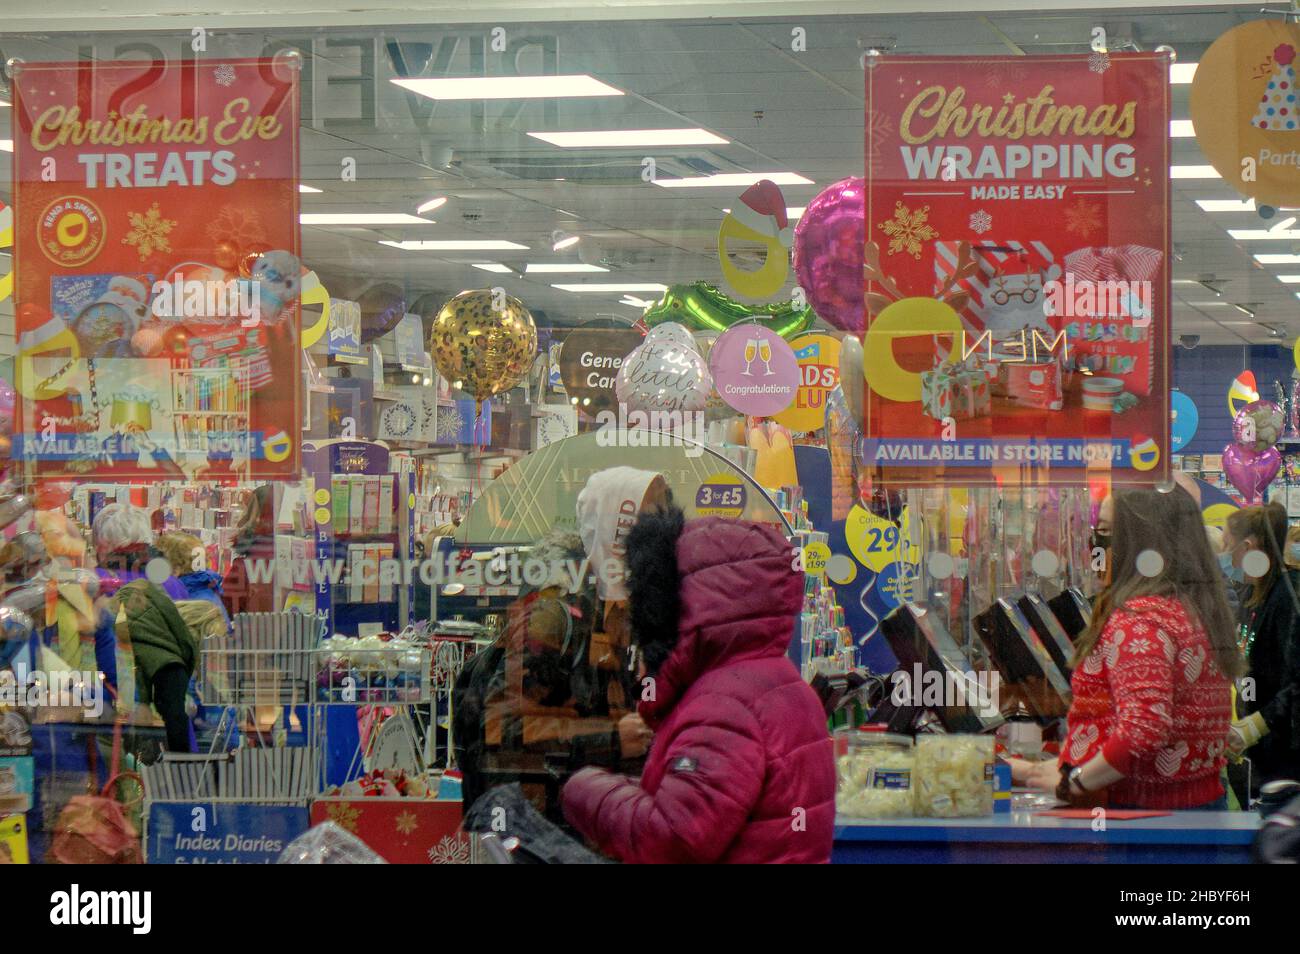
[1235, 573]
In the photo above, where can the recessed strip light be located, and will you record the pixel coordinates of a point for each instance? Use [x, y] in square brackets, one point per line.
[1275, 233]
[1226, 205]
[1278, 258]
[435, 203]
[455, 245]
[302, 187]
[6, 145]
[542, 268]
[602, 288]
[1289, 279]
[1193, 172]
[509, 87]
[733, 180]
[1180, 74]
[566, 241]
[494, 267]
[792, 212]
[362, 218]
[1181, 129]
[613, 138]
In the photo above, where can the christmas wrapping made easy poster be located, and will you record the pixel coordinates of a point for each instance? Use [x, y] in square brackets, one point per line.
[156, 247]
[1017, 269]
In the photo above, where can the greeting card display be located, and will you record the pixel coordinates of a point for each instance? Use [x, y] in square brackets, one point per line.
[157, 270]
[1016, 257]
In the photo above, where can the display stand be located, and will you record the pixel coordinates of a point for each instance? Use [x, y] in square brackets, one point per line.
[359, 602]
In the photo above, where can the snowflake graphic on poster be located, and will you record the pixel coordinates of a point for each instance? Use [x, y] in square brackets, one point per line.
[980, 222]
[1098, 61]
[406, 822]
[224, 75]
[1003, 73]
[149, 231]
[450, 851]
[450, 423]
[343, 815]
[1082, 218]
[880, 130]
[908, 229]
[236, 227]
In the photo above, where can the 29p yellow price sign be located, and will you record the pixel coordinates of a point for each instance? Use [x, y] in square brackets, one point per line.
[878, 542]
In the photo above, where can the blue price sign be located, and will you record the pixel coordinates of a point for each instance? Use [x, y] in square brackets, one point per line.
[204, 833]
[721, 495]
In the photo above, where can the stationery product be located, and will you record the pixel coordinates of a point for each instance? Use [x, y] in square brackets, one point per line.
[340, 488]
[370, 518]
[357, 504]
[386, 503]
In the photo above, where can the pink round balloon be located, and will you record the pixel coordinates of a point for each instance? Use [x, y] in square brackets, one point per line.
[828, 254]
[1261, 421]
[753, 379]
[1251, 471]
[6, 404]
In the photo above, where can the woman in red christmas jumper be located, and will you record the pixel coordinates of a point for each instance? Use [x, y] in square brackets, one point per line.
[1151, 685]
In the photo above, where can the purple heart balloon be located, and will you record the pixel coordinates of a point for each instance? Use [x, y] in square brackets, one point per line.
[828, 254]
[1251, 471]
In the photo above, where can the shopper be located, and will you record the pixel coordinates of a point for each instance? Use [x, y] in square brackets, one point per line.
[1151, 684]
[1268, 700]
[255, 542]
[165, 654]
[741, 767]
[189, 563]
[556, 684]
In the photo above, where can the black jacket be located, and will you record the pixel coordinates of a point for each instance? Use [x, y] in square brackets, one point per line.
[1274, 659]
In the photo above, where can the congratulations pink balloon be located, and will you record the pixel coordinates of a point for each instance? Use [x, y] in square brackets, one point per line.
[1251, 471]
[828, 254]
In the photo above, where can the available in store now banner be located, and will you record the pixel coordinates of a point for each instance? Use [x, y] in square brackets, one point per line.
[156, 246]
[1017, 264]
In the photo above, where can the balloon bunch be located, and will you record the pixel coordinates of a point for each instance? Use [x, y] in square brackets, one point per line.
[700, 306]
[1251, 462]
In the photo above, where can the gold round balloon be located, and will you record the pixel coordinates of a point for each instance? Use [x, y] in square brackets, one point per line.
[485, 340]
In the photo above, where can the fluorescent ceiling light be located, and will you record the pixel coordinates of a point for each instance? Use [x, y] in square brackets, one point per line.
[1193, 172]
[792, 212]
[1256, 235]
[509, 87]
[457, 245]
[434, 203]
[1244, 310]
[1208, 304]
[1181, 129]
[1180, 74]
[646, 302]
[494, 267]
[1227, 205]
[6, 145]
[1289, 279]
[362, 218]
[614, 287]
[1278, 258]
[567, 241]
[535, 268]
[598, 138]
[733, 180]
[306, 188]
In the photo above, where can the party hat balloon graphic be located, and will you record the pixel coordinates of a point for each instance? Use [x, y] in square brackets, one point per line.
[1243, 391]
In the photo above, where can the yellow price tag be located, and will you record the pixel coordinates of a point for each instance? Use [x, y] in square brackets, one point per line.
[815, 558]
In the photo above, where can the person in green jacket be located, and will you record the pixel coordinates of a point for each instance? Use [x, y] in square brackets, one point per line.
[166, 655]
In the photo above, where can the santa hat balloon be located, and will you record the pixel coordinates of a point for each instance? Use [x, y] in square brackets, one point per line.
[762, 208]
[1277, 107]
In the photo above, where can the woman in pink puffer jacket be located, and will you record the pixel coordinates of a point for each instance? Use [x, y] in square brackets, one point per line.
[741, 768]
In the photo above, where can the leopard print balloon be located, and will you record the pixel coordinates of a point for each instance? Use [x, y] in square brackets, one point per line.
[484, 339]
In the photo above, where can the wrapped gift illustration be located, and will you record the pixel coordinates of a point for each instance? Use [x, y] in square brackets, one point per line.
[955, 392]
[1006, 295]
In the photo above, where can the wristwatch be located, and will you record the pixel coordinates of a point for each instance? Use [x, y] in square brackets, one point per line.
[1075, 778]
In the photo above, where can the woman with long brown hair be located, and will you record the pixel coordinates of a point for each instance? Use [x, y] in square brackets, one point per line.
[1269, 699]
[1151, 685]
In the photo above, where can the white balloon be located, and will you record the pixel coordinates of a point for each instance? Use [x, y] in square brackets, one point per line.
[664, 373]
[851, 378]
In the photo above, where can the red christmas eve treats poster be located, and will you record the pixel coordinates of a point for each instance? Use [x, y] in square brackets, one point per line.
[157, 269]
[1017, 269]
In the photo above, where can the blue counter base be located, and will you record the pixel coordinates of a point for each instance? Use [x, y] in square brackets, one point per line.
[1026, 837]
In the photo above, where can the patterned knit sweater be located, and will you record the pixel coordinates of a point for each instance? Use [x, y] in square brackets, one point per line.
[1151, 698]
